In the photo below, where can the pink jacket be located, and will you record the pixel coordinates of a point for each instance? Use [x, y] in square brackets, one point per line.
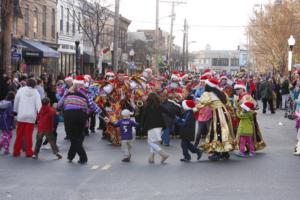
[204, 114]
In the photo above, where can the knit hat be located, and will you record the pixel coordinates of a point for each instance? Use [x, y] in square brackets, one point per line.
[212, 82]
[79, 80]
[126, 112]
[188, 104]
[248, 106]
[68, 78]
[240, 85]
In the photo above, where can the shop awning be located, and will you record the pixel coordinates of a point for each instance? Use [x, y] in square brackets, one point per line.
[27, 50]
[47, 52]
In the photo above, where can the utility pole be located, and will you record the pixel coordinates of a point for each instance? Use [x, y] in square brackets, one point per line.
[187, 47]
[7, 13]
[170, 43]
[116, 37]
[184, 45]
[156, 37]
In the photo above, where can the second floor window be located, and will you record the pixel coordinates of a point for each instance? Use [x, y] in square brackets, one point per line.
[44, 21]
[61, 19]
[73, 25]
[26, 21]
[68, 19]
[53, 24]
[35, 22]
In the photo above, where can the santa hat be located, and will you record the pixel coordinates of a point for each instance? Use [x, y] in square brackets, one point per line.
[212, 82]
[240, 85]
[223, 76]
[79, 79]
[203, 78]
[69, 78]
[207, 72]
[188, 104]
[248, 106]
[109, 73]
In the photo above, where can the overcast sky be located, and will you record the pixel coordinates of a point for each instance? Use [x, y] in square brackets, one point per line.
[219, 23]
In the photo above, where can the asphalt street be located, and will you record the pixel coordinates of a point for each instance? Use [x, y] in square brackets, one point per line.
[274, 174]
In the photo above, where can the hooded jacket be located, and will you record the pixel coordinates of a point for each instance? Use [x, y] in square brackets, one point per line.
[46, 119]
[27, 104]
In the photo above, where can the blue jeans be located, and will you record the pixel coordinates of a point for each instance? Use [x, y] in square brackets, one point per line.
[186, 147]
[166, 136]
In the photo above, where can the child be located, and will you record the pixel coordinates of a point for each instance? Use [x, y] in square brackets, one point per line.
[6, 121]
[46, 117]
[55, 126]
[126, 125]
[245, 129]
[187, 131]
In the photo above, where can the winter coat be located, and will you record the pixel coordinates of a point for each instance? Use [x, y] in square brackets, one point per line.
[152, 117]
[187, 126]
[27, 104]
[285, 87]
[46, 119]
[266, 90]
[246, 124]
[7, 121]
[173, 108]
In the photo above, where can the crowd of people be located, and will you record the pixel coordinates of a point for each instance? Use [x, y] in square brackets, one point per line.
[211, 113]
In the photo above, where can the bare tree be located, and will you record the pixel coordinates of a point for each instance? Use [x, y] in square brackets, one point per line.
[269, 31]
[92, 17]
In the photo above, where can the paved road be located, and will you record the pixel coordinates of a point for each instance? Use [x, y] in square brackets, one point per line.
[273, 174]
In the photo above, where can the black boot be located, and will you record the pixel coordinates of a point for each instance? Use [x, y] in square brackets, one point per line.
[225, 156]
[215, 157]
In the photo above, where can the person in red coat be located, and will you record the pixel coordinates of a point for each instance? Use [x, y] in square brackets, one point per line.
[46, 117]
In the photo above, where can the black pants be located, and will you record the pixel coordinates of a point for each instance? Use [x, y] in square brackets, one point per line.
[265, 102]
[202, 131]
[75, 121]
[186, 147]
[39, 141]
[92, 121]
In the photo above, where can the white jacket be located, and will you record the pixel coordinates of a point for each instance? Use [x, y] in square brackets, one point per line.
[27, 104]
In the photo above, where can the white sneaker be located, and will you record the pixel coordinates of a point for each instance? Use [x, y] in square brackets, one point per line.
[297, 154]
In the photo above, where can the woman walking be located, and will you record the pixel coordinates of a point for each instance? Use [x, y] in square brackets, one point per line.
[75, 105]
[153, 123]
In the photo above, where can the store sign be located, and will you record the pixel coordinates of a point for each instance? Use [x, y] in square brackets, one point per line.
[32, 54]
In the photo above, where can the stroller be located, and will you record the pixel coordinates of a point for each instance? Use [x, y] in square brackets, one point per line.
[290, 109]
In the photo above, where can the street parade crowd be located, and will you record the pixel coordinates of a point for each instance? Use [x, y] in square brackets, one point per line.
[211, 113]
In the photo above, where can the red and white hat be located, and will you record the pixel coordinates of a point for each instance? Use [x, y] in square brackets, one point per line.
[240, 85]
[213, 82]
[188, 104]
[204, 78]
[207, 72]
[223, 76]
[68, 78]
[79, 80]
[248, 106]
[109, 73]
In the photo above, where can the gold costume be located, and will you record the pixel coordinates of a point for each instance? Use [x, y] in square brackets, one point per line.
[220, 137]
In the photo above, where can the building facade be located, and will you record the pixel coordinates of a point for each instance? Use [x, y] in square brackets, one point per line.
[217, 60]
[34, 48]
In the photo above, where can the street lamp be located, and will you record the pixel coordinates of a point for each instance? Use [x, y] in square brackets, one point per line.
[131, 54]
[291, 42]
[78, 71]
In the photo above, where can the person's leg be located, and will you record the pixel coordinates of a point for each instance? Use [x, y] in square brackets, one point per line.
[155, 147]
[125, 148]
[264, 101]
[79, 137]
[243, 140]
[93, 122]
[19, 138]
[70, 127]
[6, 140]
[38, 143]
[198, 135]
[28, 138]
[50, 138]
[166, 136]
[251, 145]
[185, 152]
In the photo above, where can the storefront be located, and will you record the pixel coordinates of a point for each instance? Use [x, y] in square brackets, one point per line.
[34, 57]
